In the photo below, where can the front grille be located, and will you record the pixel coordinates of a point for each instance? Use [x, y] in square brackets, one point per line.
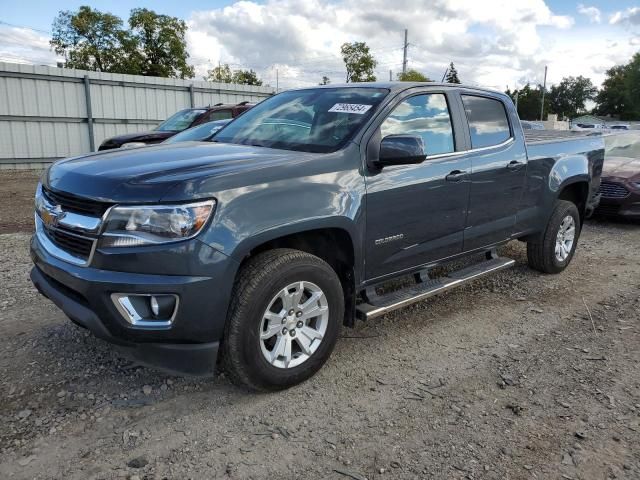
[76, 204]
[613, 190]
[607, 210]
[73, 244]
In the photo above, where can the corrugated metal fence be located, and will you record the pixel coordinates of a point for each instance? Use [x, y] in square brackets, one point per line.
[48, 113]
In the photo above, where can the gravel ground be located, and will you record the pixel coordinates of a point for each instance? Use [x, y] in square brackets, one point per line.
[520, 375]
[17, 188]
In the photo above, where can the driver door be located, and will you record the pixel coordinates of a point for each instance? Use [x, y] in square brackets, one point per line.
[415, 214]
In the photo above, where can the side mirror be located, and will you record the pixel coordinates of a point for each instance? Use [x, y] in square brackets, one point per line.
[401, 150]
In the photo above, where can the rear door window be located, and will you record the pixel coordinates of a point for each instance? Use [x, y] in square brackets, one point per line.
[219, 115]
[487, 117]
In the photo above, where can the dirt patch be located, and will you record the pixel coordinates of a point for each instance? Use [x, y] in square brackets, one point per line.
[17, 189]
[520, 375]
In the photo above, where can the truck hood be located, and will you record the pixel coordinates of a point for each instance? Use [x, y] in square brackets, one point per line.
[621, 167]
[149, 174]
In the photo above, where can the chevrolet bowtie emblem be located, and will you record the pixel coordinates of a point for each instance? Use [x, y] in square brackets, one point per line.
[51, 215]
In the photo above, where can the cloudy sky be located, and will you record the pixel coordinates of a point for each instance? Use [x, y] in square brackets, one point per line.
[495, 43]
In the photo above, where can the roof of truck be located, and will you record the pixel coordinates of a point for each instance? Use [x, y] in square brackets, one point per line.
[399, 86]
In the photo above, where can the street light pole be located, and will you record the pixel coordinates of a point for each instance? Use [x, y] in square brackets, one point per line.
[404, 56]
[544, 89]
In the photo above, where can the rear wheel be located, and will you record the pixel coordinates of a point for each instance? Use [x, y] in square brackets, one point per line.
[553, 251]
[284, 320]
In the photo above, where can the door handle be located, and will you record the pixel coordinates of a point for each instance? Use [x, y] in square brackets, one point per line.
[456, 176]
[514, 165]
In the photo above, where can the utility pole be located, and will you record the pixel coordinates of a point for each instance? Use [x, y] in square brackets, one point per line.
[516, 102]
[277, 80]
[390, 76]
[404, 56]
[544, 89]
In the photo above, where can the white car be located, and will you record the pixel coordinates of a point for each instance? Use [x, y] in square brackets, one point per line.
[579, 127]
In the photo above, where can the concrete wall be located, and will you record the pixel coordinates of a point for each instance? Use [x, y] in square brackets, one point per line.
[44, 114]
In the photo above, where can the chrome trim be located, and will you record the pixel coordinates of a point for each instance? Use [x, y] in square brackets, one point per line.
[125, 308]
[472, 150]
[66, 219]
[81, 223]
[503, 144]
[56, 251]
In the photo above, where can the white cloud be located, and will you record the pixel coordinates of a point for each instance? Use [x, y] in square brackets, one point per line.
[303, 38]
[593, 13]
[493, 43]
[22, 45]
[630, 16]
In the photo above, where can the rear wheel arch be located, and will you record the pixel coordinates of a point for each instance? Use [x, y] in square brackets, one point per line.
[577, 193]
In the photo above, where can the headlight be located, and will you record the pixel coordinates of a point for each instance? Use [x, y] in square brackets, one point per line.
[636, 185]
[153, 224]
[133, 145]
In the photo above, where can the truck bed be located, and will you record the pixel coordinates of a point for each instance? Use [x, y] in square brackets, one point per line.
[546, 136]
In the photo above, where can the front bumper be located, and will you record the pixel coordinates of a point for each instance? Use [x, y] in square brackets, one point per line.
[628, 206]
[188, 346]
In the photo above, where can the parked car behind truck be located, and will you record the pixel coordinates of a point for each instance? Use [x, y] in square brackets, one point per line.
[620, 188]
[178, 122]
[249, 253]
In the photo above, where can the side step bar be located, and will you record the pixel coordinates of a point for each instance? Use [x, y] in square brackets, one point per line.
[382, 304]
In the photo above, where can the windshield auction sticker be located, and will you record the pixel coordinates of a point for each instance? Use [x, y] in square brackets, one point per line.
[356, 108]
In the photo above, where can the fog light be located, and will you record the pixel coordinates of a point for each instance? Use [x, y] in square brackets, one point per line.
[147, 310]
[155, 308]
[162, 306]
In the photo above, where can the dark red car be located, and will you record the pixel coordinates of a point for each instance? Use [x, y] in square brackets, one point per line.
[620, 187]
[179, 121]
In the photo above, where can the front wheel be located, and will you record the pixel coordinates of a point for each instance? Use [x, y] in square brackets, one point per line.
[553, 250]
[284, 320]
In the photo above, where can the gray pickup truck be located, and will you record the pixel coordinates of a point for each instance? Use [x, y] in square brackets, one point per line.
[249, 252]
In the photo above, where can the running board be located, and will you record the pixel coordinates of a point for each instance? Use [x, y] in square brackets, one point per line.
[382, 304]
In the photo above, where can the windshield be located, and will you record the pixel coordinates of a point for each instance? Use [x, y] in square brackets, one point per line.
[199, 133]
[315, 120]
[180, 120]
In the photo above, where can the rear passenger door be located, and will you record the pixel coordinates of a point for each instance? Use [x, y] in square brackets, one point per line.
[498, 171]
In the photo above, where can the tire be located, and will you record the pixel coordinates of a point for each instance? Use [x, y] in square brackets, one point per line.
[259, 284]
[541, 251]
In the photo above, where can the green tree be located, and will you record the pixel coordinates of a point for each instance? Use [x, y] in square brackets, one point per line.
[632, 86]
[92, 40]
[325, 80]
[413, 76]
[221, 73]
[224, 74]
[359, 62]
[620, 93]
[246, 77]
[162, 48]
[529, 101]
[452, 74]
[569, 97]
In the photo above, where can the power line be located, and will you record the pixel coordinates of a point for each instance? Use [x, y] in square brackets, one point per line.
[2, 22]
